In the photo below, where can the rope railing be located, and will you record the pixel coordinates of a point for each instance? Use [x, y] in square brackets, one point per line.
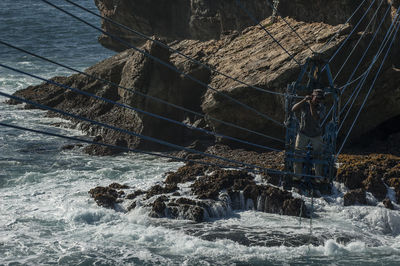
[173, 68]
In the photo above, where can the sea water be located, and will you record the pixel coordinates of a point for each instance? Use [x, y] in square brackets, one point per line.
[47, 216]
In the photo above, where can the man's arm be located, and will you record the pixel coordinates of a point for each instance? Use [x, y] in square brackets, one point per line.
[298, 105]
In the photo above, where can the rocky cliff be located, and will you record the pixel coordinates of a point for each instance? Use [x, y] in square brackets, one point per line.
[248, 55]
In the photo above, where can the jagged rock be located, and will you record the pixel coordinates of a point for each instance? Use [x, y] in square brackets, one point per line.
[186, 173]
[135, 194]
[105, 196]
[354, 197]
[158, 208]
[395, 183]
[351, 176]
[388, 203]
[118, 186]
[157, 190]
[376, 186]
[183, 19]
[209, 187]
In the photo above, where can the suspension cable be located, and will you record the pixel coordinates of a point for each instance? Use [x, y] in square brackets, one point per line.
[269, 34]
[345, 86]
[158, 60]
[369, 91]
[362, 36]
[148, 138]
[142, 35]
[360, 85]
[342, 27]
[351, 33]
[275, 10]
[151, 97]
[137, 109]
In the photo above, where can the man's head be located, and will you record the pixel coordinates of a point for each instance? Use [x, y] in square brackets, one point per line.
[318, 95]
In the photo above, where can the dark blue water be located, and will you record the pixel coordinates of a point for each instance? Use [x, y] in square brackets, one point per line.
[47, 217]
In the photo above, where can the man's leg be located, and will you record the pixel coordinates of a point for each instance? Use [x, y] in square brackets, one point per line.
[301, 144]
[318, 147]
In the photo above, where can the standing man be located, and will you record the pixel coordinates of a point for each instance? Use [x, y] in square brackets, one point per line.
[312, 113]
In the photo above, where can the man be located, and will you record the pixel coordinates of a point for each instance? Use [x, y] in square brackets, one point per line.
[312, 113]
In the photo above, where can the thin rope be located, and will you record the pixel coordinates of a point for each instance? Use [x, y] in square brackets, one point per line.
[155, 140]
[369, 91]
[125, 149]
[360, 85]
[342, 27]
[290, 26]
[269, 34]
[138, 110]
[363, 75]
[361, 37]
[143, 95]
[212, 69]
[156, 59]
[351, 33]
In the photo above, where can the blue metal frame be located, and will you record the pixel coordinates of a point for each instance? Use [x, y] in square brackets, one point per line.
[313, 69]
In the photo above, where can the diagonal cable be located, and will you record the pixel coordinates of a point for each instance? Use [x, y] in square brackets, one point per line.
[151, 139]
[156, 59]
[269, 34]
[370, 89]
[212, 69]
[342, 27]
[290, 26]
[362, 36]
[351, 33]
[136, 109]
[145, 95]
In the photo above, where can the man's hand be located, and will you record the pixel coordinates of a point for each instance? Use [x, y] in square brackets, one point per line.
[308, 98]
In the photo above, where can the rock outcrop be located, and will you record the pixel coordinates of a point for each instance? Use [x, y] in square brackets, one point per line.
[214, 193]
[370, 173]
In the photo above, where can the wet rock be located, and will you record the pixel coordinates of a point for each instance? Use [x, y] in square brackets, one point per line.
[158, 207]
[157, 190]
[294, 207]
[104, 196]
[186, 173]
[118, 186]
[71, 146]
[388, 203]
[135, 194]
[208, 187]
[355, 197]
[375, 185]
[395, 183]
[132, 206]
[351, 176]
